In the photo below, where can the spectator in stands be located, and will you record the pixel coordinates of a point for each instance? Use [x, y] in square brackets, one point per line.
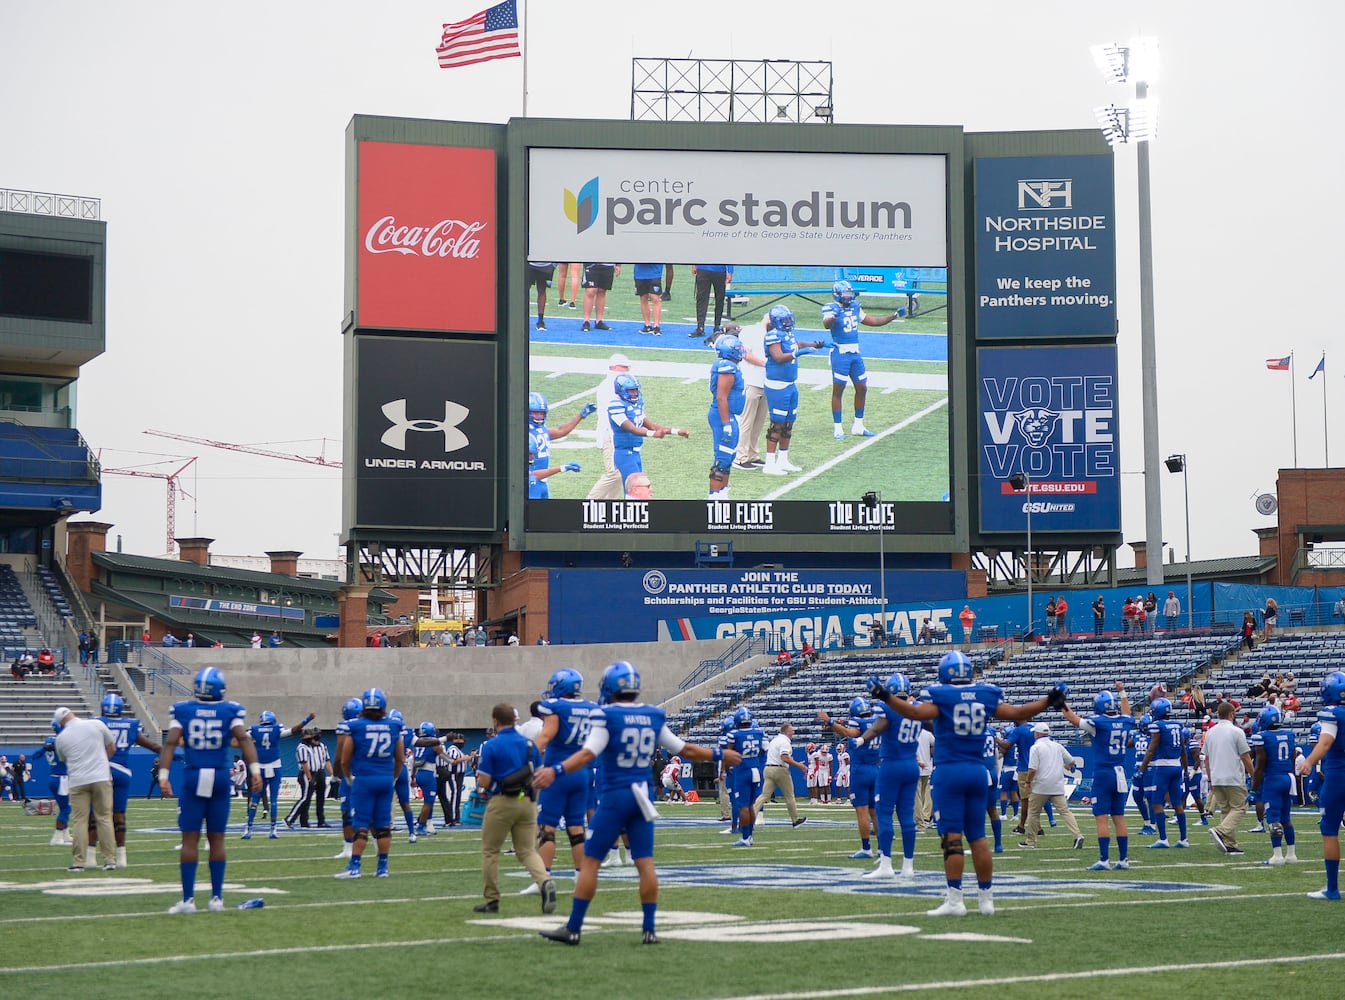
[1270, 613]
[190, 641]
[83, 648]
[1172, 609]
[1050, 616]
[876, 633]
[809, 654]
[1248, 629]
[1339, 609]
[1290, 684]
[1151, 612]
[46, 661]
[649, 289]
[1061, 615]
[968, 620]
[275, 640]
[169, 640]
[93, 647]
[1099, 615]
[256, 640]
[1259, 688]
[1141, 622]
[1128, 612]
[926, 635]
[1198, 705]
[22, 665]
[782, 658]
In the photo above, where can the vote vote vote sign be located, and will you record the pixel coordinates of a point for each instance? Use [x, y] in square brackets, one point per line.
[1049, 413]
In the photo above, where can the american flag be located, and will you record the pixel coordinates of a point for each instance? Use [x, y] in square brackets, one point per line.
[490, 34]
[1278, 364]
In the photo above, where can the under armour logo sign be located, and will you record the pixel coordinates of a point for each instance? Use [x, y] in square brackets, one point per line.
[454, 414]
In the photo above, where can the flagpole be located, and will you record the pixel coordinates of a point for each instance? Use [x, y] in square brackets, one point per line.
[1326, 441]
[1293, 406]
[524, 31]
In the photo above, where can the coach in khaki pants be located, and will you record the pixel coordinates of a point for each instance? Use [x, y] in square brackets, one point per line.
[779, 759]
[1046, 769]
[85, 745]
[505, 774]
[1228, 761]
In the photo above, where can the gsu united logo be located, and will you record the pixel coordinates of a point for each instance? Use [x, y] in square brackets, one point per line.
[401, 425]
[582, 208]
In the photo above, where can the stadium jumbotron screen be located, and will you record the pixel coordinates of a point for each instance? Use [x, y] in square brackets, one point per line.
[634, 254]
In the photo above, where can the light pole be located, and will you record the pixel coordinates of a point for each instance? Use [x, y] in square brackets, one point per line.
[873, 500]
[1022, 481]
[1137, 63]
[1177, 463]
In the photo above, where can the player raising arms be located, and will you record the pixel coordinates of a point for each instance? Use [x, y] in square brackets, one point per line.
[960, 709]
[540, 437]
[1109, 728]
[566, 719]
[843, 318]
[266, 737]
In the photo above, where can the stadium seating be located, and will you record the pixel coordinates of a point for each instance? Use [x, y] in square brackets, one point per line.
[16, 614]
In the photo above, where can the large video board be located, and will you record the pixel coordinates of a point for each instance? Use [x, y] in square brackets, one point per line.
[804, 220]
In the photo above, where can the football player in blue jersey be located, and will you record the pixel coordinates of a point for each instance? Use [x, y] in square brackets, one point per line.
[126, 732]
[1138, 781]
[58, 784]
[725, 778]
[1330, 751]
[728, 395]
[349, 710]
[991, 757]
[1312, 780]
[373, 755]
[203, 727]
[898, 778]
[1272, 782]
[1195, 774]
[623, 734]
[266, 737]
[1108, 730]
[540, 437]
[566, 719]
[749, 743]
[426, 751]
[401, 785]
[863, 767]
[630, 427]
[961, 708]
[783, 351]
[1164, 765]
[1008, 772]
[842, 318]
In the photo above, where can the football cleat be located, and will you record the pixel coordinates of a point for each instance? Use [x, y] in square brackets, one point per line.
[532, 889]
[1123, 865]
[185, 906]
[216, 905]
[562, 934]
[349, 873]
[839, 435]
[744, 842]
[1324, 894]
[382, 872]
[247, 833]
[1100, 866]
[649, 937]
[949, 908]
[985, 902]
[1160, 843]
[862, 853]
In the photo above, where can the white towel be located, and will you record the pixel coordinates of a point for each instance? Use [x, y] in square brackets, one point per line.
[641, 792]
[205, 782]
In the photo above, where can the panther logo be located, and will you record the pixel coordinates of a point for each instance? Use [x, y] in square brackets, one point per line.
[1037, 424]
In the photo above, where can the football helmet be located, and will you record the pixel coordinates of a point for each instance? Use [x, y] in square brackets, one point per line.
[726, 724]
[1145, 719]
[742, 716]
[812, 748]
[112, 705]
[620, 677]
[564, 683]
[428, 729]
[860, 706]
[350, 709]
[1106, 703]
[49, 743]
[209, 684]
[627, 387]
[1269, 718]
[1160, 708]
[729, 347]
[898, 685]
[1315, 733]
[781, 319]
[267, 718]
[537, 404]
[396, 716]
[843, 292]
[375, 699]
[955, 668]
[1333, 687]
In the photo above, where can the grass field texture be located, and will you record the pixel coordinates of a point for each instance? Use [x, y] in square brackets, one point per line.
[789, 917]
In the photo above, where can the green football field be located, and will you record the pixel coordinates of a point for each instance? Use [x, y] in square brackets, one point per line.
[789, 917]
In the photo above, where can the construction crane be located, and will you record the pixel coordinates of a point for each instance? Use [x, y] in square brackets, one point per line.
[248, 449]
[174, 488]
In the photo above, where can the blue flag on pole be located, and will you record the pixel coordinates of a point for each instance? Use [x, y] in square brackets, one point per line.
[1321, 367]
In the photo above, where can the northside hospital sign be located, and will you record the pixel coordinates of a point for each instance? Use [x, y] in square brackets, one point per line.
[876, 209]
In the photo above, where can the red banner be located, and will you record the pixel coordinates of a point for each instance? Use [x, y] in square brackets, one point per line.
[427, 238]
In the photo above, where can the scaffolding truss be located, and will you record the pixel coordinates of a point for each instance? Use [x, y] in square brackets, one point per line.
[731, 90]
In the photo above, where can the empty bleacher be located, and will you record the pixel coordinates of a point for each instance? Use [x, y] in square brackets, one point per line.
[26, 707]
[16, 614]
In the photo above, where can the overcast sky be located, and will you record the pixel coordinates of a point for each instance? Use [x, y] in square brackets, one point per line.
[214, 136]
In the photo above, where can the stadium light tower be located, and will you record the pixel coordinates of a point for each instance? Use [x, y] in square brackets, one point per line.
[1137, 63]
[1177, 463]
[1022, 481]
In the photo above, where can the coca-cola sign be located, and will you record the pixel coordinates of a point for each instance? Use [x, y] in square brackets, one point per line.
[426, 226]
[446, 238]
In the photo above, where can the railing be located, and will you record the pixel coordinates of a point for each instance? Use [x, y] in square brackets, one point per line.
[65, 206]
[743, 647]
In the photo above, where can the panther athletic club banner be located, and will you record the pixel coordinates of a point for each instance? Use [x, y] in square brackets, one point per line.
[1050, 414]
[426, 236]
[769, 208]
[1045, 247]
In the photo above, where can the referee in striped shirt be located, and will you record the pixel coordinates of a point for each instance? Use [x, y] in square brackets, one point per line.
[315, 764]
